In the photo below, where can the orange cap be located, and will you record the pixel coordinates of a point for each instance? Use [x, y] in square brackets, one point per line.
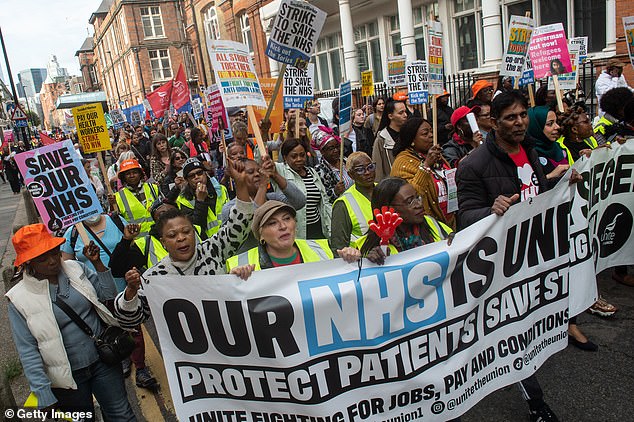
[400, 96]
[480, 85]
[32, 241]
[445, 93]
[130, 164]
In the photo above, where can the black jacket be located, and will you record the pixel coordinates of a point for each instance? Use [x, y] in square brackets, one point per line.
[487, 173]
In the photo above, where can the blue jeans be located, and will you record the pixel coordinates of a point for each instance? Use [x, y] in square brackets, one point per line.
[107, 384]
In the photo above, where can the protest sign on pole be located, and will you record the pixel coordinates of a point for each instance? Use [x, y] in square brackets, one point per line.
[197, 107]
[135, 118]
[520, 30]
[345, 107]
[277, 116]
[294, 33]
[434, 59]
[59, 185]
[117, 116]
[367, 83]
[298, 86]
[417, 82]
[91, 128]
[628, 26]
[582, 43]
[396, 71]
[568, 81]
[216, 116]
[548, 51]
[235, 74]
[458, 323]
[345, 116]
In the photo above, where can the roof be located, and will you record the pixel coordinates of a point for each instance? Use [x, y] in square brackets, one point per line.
[102, 10]
[87, 46]
[74, 100]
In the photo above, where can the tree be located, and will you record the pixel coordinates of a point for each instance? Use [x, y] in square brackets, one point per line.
[33, 118]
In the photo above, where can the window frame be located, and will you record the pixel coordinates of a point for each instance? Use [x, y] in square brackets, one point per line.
[477, 12]
[211, 23]
[246, 32]
[150, 15]
[324, 54]
[162, 69]
[367, 41]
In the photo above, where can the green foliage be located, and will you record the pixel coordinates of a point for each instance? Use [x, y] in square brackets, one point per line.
[34, 119]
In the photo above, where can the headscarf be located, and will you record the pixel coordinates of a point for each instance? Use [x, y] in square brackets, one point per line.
[544, 146]
[322, 137]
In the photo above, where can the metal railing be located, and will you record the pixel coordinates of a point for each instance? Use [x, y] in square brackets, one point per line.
[459, 88]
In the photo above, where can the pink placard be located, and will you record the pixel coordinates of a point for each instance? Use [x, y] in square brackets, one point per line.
[548, 51]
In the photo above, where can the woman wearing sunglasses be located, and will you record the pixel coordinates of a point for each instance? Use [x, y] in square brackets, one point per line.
[421, 163]
[417, 229]
[352, 210]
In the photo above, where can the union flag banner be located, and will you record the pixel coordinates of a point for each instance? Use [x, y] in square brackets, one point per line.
[180, 89]
[159, 99]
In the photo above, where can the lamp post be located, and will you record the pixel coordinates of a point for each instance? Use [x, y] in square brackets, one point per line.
[116, 85]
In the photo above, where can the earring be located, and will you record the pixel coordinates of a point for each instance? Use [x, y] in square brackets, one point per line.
[262, 242]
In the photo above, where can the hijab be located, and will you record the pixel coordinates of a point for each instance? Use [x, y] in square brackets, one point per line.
[544, 146]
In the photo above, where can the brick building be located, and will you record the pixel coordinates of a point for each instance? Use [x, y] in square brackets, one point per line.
[138, 46]
[623, 8]
[87, 65]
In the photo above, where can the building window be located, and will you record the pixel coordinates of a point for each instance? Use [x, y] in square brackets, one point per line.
[590, 20]
[192, 60]
[132, 70]
[366, 39]
[160, 64]
[245, 29]
[93, 74]
[210, 22]
[152, 22]
[395, 36]
[421, 15]
[554, 11]
[124, 28]
[329, 56]
[465, 17]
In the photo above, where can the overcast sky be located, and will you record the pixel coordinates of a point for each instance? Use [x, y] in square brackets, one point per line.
[33, 30]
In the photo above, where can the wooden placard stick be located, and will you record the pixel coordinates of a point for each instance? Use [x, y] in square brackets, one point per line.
[256, 129]
[531, 95]
[83, 234]
[434, 113]
[560, 100]
[276, 90]
[104, 173]
[424, 110]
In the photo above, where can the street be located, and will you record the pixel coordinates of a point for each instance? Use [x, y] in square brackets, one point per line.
[578, 385]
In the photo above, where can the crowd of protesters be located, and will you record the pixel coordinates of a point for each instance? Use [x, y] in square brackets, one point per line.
[187, 203]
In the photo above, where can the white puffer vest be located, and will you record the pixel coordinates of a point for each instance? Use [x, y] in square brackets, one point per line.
[32, 299]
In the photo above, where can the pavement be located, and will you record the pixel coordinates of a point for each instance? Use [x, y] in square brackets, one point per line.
[578, 386]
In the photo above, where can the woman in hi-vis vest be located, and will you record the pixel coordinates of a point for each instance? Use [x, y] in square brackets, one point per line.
[274, 227]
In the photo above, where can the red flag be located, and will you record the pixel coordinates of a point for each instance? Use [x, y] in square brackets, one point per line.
[180, 89]
[160, 99]
[45, 139]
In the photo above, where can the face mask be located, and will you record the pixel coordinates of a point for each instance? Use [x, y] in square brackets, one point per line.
[92, 220]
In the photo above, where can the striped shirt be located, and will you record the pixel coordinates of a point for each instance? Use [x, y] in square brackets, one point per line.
[313, 198]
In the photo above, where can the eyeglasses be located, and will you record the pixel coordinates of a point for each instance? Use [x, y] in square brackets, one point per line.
[330, 148]
[360, 170]
[413, 202]
[179, 158]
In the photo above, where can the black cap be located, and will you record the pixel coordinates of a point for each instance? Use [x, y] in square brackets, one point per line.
[190, 165]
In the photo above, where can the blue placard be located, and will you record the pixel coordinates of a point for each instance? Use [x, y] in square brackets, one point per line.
[345, 107]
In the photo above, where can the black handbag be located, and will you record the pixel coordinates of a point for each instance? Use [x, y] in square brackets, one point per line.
[114, 344]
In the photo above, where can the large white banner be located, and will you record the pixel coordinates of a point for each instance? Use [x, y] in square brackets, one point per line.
[605, 200]
[426, 336]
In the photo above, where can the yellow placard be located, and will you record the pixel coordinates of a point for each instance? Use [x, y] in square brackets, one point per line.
[91, 128]
[367, 83]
